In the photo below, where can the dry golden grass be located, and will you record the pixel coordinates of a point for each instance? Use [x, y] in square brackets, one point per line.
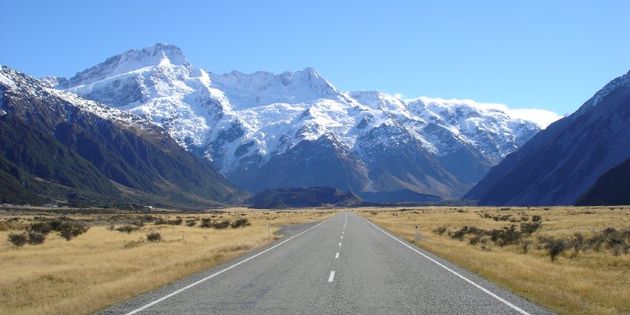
[590, 283]
[102, 267]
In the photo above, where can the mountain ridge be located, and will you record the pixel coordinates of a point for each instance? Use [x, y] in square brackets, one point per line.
[65, 149]
[561, 163]
[245, 123]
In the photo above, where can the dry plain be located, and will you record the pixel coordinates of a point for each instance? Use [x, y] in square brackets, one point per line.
[589, 272]
[589, 275]
[103, 265]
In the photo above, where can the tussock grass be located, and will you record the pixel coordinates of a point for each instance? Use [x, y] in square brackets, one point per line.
[101, 266]
[582, 281]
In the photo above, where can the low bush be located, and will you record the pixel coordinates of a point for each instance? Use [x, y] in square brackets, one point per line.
[525, 244]
[223, 224]
[529, 228]
[577, 243]
[440, 230]
[555, 248]
[18, 239]
[506, 236]
[127, 228]
[240, 222]
[36, 238]
[138, 223]
[466, 230]
[206, 223]
[219, 225]
[40, 227]
[161, 221]
[70, 230]
[154, 237]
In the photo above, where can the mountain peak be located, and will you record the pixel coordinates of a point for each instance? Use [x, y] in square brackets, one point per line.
[129, 61]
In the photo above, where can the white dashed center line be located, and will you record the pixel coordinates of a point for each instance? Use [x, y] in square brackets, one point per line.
[331, 277]
[339, 244]
[337, 255]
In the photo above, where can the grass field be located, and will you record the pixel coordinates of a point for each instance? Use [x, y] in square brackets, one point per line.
[595, 279]
[104, 266]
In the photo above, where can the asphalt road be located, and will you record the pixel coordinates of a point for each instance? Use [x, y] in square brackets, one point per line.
[343, 265]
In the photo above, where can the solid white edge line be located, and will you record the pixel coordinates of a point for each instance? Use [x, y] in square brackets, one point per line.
[219, 272]
[512, 306]
[331, 277]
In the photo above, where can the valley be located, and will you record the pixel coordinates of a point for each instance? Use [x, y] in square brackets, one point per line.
[113, 260]
[329, 157]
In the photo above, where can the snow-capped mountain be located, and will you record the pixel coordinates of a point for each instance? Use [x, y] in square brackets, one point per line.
[56, 147]
[266, 130]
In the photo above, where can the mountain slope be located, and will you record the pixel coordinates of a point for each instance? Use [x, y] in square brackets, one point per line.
[303, 197]
[266, 126]
[64, 148]
[560, 164]
[612, 188]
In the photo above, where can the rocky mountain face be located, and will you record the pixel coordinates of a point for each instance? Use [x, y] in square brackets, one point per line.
[294, 129]
[60, 148]
[574, 160]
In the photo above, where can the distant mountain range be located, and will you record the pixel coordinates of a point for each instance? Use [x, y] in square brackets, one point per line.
[59, 148]
[583, 158]
[295, 129]
[148, 128]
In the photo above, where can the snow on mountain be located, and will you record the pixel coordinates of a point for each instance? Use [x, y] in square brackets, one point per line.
[243, 121]
[618, 83]
[263, 88]
[24, 85]
[79, 151]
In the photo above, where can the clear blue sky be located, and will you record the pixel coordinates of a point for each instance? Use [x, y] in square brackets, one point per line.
[544, 54]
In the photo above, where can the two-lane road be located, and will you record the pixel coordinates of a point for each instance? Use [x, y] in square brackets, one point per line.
[343, 265]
